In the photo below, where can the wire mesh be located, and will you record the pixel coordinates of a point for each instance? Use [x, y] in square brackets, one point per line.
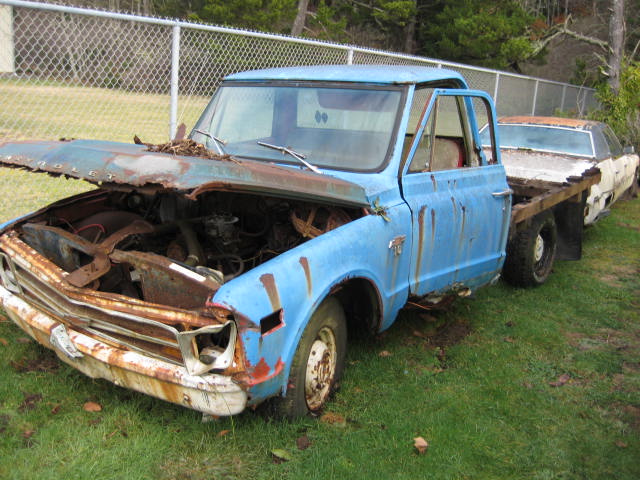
[73, 73]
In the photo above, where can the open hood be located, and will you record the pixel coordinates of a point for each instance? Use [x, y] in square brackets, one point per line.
[102, 162]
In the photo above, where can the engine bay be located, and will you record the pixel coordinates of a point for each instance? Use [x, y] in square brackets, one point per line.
[154, 245]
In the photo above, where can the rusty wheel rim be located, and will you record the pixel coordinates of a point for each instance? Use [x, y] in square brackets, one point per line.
[321, 369]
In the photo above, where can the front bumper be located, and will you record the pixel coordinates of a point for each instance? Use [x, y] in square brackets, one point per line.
[210, 393]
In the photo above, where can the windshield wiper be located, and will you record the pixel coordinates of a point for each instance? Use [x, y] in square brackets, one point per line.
[298, 156]
[218, 142]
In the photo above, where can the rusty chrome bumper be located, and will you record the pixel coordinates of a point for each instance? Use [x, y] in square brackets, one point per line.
[211, 393]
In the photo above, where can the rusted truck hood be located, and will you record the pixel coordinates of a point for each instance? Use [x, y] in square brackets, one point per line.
[534, 165]
[102, 162]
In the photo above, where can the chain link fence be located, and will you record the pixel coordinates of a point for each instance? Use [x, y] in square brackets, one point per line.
[78, 73]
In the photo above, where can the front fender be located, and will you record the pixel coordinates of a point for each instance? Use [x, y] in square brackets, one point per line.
[273, 302]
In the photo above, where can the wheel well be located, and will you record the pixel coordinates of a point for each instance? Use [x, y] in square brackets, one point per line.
[361, 303]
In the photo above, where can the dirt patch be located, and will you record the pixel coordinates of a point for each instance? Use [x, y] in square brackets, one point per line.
[30, 401]
[45, 362]
[632, 416]
[450, 333]
[616, 275]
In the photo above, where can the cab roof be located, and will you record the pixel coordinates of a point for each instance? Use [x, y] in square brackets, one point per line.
[380, 74]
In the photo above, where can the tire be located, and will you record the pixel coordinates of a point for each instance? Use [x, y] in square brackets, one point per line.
[318, 363]
[530, 254]
[632, 191]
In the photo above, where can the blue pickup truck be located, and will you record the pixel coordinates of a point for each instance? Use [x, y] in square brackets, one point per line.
[225, 269]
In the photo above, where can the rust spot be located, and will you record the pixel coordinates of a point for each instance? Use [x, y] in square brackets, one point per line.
[433, 224]
[552, 121]
[434, 182]
[464, 219]
[261, 372]
[304, 261]
[420, 241]
[269, 284]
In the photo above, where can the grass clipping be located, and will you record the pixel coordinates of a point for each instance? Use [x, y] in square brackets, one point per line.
[186, 147]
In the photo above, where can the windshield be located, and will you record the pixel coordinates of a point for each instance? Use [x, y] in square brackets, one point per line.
[542, 138]
[335, 127]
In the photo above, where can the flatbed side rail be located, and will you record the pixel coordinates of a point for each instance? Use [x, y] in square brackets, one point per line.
[540, 196]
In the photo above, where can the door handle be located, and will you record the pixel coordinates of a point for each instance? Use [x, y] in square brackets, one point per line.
[503, 193]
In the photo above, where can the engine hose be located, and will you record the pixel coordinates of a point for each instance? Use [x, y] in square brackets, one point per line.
[195, 254]
[234, 259]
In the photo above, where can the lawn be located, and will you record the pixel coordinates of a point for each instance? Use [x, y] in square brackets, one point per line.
[510, 384]
[38, 110]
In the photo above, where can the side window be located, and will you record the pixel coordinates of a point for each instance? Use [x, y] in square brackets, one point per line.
[446, 142]
[601, 145]
[421, 99]
[614, 144]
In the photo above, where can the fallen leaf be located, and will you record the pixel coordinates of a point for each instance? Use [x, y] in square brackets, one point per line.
[562, 379]
[30, 401]
[419, 334]
[385, 353]
[509, 339]
[92, 407]
[333, 419]
[420, 445]
[510, 323]
[621, 444]
[95, 421]
[527, 385]
[222, 433]
[109, 435]
[357, 390]
[280, 455]
[303, 442]
[56, 409]
[23, 340]
[3, 342]
[27, 434]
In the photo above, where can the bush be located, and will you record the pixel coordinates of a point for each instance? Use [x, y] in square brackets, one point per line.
[621, 110]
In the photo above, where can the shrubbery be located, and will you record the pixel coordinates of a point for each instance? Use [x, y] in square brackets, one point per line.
[621, 110]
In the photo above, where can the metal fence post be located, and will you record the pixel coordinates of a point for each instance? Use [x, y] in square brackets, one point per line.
[564, 91]
[175, 68]
[495, 90]
[535, 98]
[350, 56]
[7, 60]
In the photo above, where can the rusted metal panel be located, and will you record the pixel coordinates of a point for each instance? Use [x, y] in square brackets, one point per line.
[551, 121]
[213, 394]
[102, 162]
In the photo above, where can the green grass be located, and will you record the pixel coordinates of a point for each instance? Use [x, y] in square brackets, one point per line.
[44, 110]
[49, 111]
[474, 381]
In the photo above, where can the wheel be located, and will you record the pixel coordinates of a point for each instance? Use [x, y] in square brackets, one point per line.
[530, 254]
[318, 362]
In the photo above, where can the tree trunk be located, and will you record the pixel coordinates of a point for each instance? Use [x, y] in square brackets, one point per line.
[410, 33]
[616, 43]
[298, 23]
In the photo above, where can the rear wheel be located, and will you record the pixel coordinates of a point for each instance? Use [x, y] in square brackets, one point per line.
[318, 363]
[530, 254]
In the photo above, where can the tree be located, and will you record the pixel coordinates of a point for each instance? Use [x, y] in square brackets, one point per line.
[493, 34]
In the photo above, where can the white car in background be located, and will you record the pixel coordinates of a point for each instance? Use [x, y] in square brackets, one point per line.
[554, 149]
